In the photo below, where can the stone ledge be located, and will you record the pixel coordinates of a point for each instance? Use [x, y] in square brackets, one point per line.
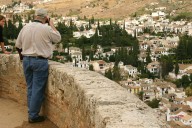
[79, 98]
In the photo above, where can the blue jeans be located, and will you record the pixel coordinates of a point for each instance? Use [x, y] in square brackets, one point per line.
[36, 75]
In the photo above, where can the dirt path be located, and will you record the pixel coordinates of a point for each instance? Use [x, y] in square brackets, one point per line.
[14, 115]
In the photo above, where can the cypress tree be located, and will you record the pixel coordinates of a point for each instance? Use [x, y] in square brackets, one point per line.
[19, 28]
[108, 74]
[5, 30]
[92, 20]
[176, 68]
[83, 52]
[91, 67]
[124, 25]
[116, 74]
[82, 28]
[90, 25]
[98, 25]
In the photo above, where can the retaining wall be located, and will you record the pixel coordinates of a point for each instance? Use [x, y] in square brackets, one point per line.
[79, 98]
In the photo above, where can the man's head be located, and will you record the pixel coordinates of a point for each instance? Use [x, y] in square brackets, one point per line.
[2, 20]
[41, 14]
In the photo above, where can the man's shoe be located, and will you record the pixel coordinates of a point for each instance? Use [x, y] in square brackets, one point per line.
[38, 119]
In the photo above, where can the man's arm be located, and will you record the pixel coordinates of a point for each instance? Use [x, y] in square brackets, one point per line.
[55, 35]
[3, 48]
[52, 24]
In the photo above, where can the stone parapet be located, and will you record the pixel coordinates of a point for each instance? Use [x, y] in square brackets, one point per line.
[79, 98]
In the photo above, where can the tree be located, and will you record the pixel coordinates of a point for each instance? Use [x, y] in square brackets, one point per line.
[108, 74]
[11, 33]
[5, 30]
[82, 28]
[91, 67]
[190, 77]
[91, 56]
[19, 28]
[166, 63]
[90, 25]
[184, 50]
[140, 94]
[154, 103]
[188, 91]
[176, 68]
[83, 52]
[110, 23]
[185, 81]
[98, 25]
[75, 62]
[95, 39]
[112, 58]
[148, 58]
[116, 74]
[92, 20]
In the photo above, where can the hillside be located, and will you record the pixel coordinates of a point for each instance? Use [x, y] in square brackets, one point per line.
[115, 9]
[97, 8]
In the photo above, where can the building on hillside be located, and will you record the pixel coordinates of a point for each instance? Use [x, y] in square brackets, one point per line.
[99, 66]
[132, 71]
[83, 64]
[148, 91]
[8, 15]
[76, 57]
[132, 86]
[72, 50]
[86, 33]
[142, 57]
[184, 69]
[188, 101]
[153, 67]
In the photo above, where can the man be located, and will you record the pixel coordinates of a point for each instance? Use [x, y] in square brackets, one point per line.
[35, 41]
[2, 23]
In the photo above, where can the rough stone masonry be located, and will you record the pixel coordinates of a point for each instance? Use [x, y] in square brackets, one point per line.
[79, 98]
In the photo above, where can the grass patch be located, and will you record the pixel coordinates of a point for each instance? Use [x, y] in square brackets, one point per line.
[183, 16]
[74, 12]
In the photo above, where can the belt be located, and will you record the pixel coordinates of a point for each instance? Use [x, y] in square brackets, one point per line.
[38, 57]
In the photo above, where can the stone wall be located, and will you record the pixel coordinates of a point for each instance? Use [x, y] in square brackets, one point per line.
[78, 98]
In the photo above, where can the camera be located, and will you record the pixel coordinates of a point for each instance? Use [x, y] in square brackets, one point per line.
[47, 21]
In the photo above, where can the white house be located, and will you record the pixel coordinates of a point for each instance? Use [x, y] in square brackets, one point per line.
[190, 32]
[153, 67]
[133, 86]
[73, 50]
[76, 57]
[188, 101]
[99, 65]
[82, 64]
[186, 119]
[142, 57]
[174, 116]
[144, 45]
[132, 71]
[86, 33]
[180, 93]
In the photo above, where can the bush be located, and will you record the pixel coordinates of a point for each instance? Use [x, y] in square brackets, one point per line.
[154, 103]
